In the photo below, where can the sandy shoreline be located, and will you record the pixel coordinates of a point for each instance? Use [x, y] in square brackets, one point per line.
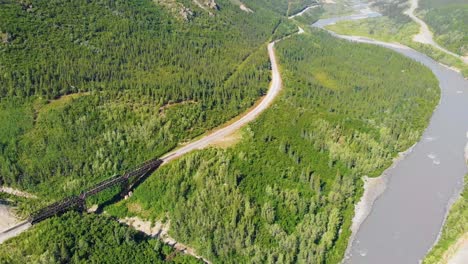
[458, 253]
[373, 189]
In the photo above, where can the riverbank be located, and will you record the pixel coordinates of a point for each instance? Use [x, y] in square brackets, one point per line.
[452, 244]
[373, 189]
[389, 30]
[415, 203]
[460, 250]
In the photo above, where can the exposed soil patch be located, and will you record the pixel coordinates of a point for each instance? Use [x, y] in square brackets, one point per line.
[160, 230]
[228, 141]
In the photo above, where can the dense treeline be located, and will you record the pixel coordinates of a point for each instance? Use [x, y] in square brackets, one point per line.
[91, 88]
[448, 19]
[73, 238]
[285, 28]
[283, 194]
[286, 192]
[82, 46]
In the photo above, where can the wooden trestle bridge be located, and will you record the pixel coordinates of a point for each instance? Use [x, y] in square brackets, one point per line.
[78, 202]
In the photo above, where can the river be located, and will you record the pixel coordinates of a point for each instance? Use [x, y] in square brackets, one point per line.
[406, 219]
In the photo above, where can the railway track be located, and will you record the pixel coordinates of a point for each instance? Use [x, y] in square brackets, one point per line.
[78, 202]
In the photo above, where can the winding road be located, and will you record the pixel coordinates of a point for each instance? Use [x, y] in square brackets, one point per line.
[406, 219]
[273, 91]
[425, 35]
[303, 11]
[265, 102]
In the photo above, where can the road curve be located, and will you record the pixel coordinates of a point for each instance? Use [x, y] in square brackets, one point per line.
[275, 87]
[303, 11]
[273, 91]
[425, 35]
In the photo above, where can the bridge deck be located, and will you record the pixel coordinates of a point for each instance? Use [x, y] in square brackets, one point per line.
[78, 202]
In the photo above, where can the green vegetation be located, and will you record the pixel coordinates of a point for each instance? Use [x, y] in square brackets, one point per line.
[311, 16]
[73, 238]
[296, 6]
[89, 89]
[392, 30]
[326, 9]
[393, 9]
[323, 10]
[337, 8]
[442, 57]
[381, 28]
[286, 192]
[108, 84]
[456, 226]
[448, 19]
[285, 28]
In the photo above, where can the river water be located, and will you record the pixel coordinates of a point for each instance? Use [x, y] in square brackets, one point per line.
[406, 219]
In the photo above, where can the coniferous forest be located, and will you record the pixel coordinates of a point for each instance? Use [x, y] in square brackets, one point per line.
[89, 89]
[286, 192]
[74, 238]
[448, 20]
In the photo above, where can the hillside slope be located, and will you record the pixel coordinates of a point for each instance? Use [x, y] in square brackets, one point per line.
[286, 192]
[90, 89]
